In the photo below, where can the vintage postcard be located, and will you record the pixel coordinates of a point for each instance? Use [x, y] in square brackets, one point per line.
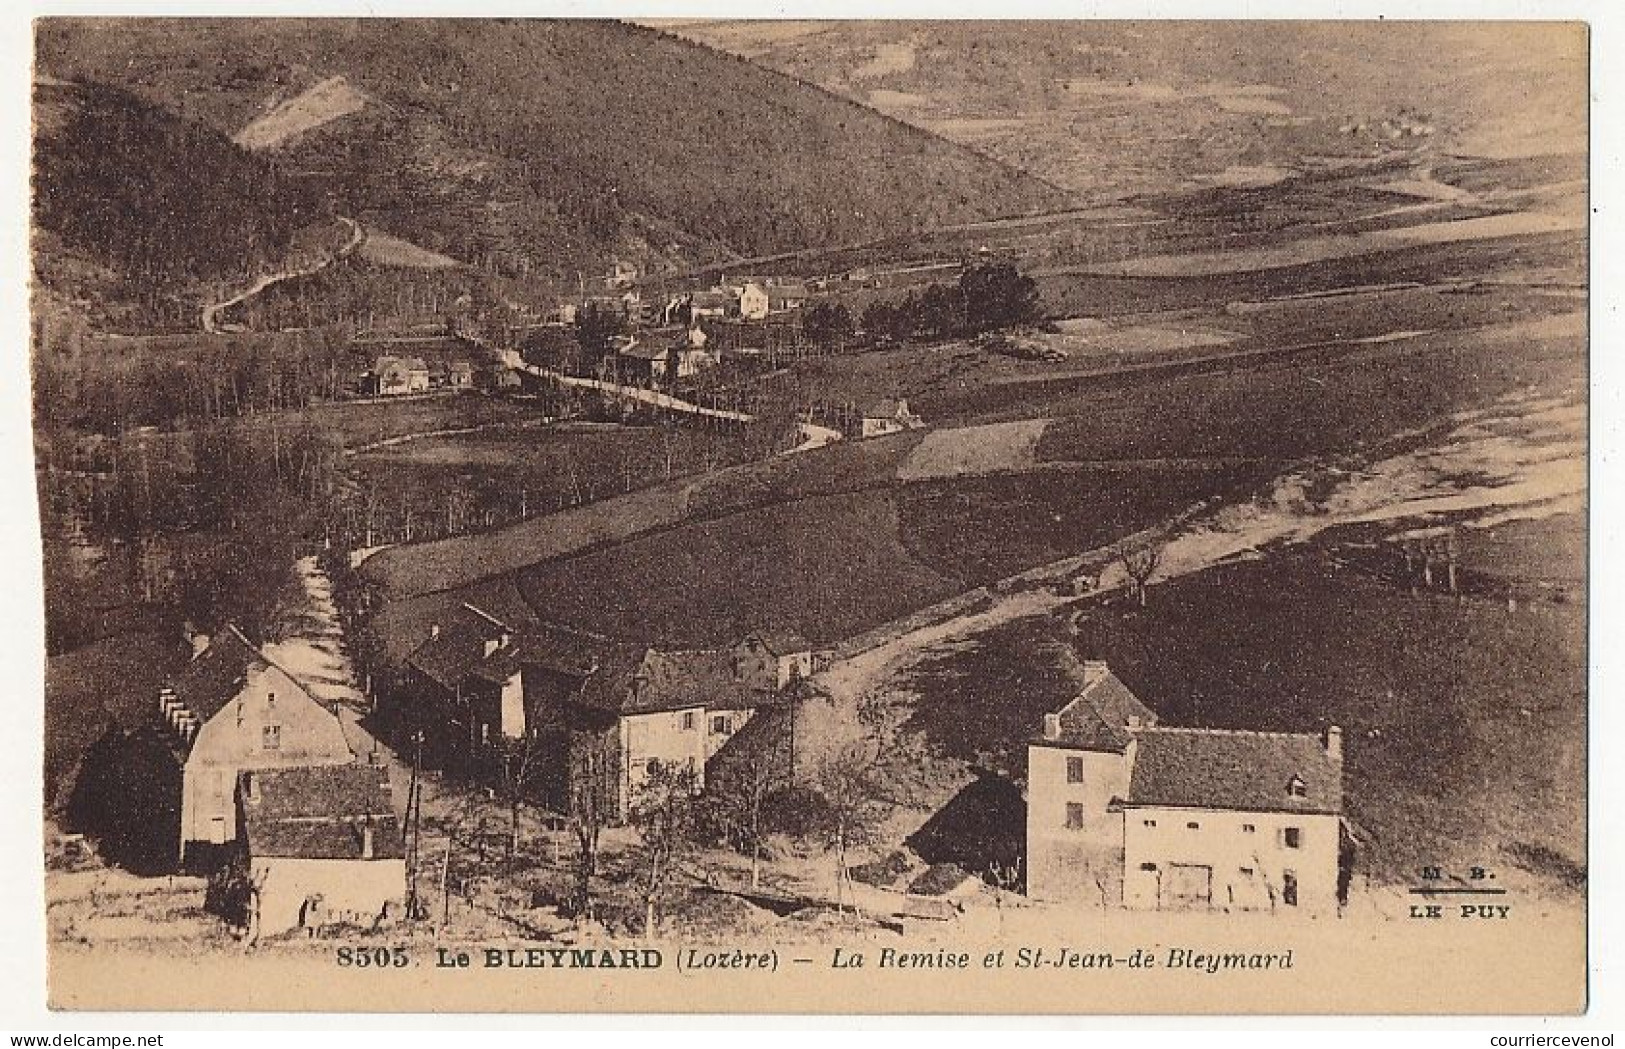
[767, 516]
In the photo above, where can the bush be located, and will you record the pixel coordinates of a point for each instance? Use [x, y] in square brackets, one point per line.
[798, 812]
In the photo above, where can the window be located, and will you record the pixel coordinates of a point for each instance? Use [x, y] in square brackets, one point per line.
[271, 737]
[1289, 888]
[485, 733]
[1074, 815]
[1246, 872]
[1193, 825]
[1148, 867]
[1292, 837]
[653, 767]
[1150, 823]
[217, 830]
[688, 721]
[719, 725]
[1074, 770]
[1296, 788]
[1248, 828]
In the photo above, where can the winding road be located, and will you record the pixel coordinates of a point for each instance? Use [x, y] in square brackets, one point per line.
[212, 312]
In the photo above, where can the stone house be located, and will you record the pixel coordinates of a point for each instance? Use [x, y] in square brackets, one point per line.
[395, 376]
[887, 415]
[1124, 812]
[322, 845]
[484, 690]
[229, 710]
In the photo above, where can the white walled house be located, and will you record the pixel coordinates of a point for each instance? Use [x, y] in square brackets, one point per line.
[232, 709]
[322, 846]
[1076, 768]
[395, 376]
[772, 659]
[887, 415]
[1234, 821]
[483, 689]
[1121, 811]
[753, 301]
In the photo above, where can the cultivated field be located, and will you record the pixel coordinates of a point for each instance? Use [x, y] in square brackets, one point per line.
[1316, 408]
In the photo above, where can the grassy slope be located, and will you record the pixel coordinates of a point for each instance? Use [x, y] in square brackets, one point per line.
[1123, 107]
[766, 569]
[1465, 723]
[842, 467]
[587, 133]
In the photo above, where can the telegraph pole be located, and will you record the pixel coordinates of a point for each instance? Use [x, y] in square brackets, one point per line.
[414, 809]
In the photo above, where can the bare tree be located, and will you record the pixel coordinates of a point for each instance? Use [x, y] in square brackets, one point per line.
[519, 760]
[736, 802]
[1140, 562]
[862, 783]
[664, 813]
[588, 815]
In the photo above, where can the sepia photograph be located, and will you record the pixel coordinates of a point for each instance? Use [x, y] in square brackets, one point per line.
[812, 516]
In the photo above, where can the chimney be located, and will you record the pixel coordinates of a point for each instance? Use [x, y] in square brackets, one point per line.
[1135, 723]
[1094, 670]
[1334, 743]
[434, 631]
[1052, 726]
[200, 644]
[366, 841]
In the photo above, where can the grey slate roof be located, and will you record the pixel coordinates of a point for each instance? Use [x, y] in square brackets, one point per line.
[217, 674]
[611, 676]
[1098, 718]
[319, 812]
[1224, 769]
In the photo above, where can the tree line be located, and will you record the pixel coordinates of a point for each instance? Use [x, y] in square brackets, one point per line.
[988, 297]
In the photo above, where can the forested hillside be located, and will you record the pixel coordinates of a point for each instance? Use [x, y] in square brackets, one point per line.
[135, 204]
[529, 148]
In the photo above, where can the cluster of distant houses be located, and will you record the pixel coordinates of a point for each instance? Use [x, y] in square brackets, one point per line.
[579, 710]
[746, 298]
[394, 376]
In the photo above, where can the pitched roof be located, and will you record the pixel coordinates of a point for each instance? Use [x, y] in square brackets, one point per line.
[886, 408]
[656, 343]
[1224, 769]
[611, 676]
[388, 361]
[1098, 718]
[781, 642]
[458, 650]
[712, 298]
[319, 812]
[216, 675]
[676, 680]
[786, 291]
